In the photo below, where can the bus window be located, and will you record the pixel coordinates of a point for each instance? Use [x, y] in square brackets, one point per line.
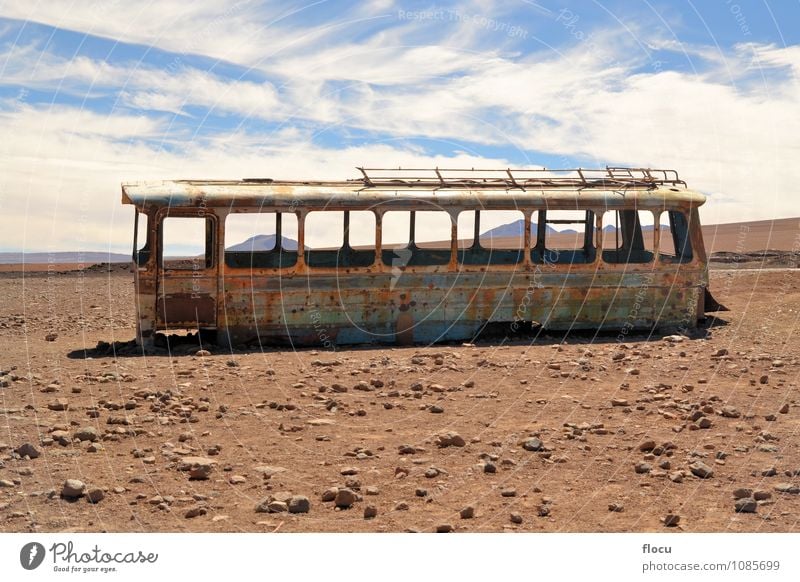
[675, 244]
[416, 238]
[187, 242]
[257, 240]
[501, 237]
[564, 237]
[336, 238]
[628, 236]
[141, 251]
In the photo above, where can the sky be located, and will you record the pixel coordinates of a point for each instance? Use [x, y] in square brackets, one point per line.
[97, 92]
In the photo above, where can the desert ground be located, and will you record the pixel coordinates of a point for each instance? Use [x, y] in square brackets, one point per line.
[547, 433]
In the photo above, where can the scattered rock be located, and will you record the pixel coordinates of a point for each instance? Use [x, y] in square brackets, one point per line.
[742, 493]
[468, 512]
[444, 528]
[196, 511]
[87, 433]
[27, 450]
[436, 409]
[59, 405]
[730, 412]
[6, 483]
[700, 469]
[72, 489]
[616, 507]
[510, 492]
[647, 446]
[199, 468]
[533, 444]
[299, 504]
[450, 439]
[672, 520]
[642, 468]
[345, 498]
[762, 495]
[619, 402]
[516, 518]
[787, 488]
[370, 511]
[95, 495]
[746, 505]
[784, 409]
[330, 494]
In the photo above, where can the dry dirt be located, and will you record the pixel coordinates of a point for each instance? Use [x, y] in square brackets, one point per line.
[269, 422]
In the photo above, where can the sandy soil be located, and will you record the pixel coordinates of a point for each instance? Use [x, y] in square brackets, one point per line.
[618, 425]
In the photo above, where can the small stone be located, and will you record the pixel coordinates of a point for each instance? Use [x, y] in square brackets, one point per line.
[195, 512]
[489, 467]
[237, 479]
[746, 505]
[436, 409]
[330, 494]
[762, 495]
[771, 472]
[730, 412]
[647, 446]
[516, 518]
[764, 379]
[372, 490]
[199, 468]
[421, 492]
[742, 493]
[345, 498]
[616, 507]
[468, 512]
[672, 520]
[202, 353]
[510, 492]
[299, 504]
[432, 472]
[51, 337]
[787, 488]
[6, 483]
[532, 444]
[642, 468]
[700, 469]
[73, 488]
[87, 433]
[450, 439]
[676, 477]
[619, 402]
[370, 511]
[704, 422]
[275, 506]
[59, 405]
[95, 495]
[349, 471]
[444, 528]
[784, 409]
[27, 450]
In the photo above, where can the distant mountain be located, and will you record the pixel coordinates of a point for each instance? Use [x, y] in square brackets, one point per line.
[89, 258]
[263, 242]
[517, 228]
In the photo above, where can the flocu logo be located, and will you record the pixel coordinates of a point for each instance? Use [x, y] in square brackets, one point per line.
[31, 555]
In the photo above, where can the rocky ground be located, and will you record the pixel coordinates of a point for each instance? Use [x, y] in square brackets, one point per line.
[558, 434]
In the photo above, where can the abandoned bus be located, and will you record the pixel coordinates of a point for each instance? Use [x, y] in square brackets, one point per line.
[407, 256]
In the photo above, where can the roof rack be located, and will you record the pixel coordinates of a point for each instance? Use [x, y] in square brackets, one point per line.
[471, 178]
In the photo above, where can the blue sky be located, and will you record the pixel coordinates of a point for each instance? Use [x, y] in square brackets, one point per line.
[93, 93]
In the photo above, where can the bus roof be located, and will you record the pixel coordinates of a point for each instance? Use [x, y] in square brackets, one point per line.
[293, 195]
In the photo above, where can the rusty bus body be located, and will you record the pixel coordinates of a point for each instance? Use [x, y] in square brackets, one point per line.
[352, 296]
